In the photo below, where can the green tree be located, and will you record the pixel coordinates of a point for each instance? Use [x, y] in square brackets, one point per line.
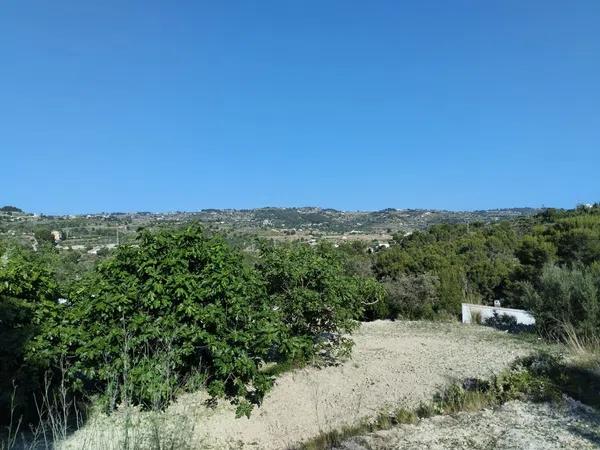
[179, 307]
[580, 245]
[413, 297]
[27, 300]
[566, 297]
[534, 253]
[311, 292]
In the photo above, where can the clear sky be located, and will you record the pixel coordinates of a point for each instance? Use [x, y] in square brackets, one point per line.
[183, 105]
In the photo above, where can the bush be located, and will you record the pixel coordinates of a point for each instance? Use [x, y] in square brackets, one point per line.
[412, 297]
[178, 308]
[27, 302]
[313, 296]
[579, 246]
[176, 311]
[565, 296]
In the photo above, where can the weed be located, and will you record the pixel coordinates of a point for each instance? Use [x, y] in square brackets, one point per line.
[404, 416]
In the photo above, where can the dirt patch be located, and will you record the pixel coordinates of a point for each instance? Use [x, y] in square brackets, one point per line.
[515, 425]
[393, 364]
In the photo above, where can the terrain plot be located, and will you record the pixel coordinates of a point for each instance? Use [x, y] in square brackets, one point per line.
[393, 364]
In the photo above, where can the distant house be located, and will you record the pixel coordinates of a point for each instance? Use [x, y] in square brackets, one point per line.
[378, 247]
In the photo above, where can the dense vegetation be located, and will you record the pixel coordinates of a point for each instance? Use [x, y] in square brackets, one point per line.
[28, 297]
[549, 264]
[184, 307]
[178, 310]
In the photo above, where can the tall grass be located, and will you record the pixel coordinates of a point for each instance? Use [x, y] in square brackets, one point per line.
[585, 347]
[111, 424]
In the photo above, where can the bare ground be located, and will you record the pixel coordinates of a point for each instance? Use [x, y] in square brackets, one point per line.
[515, 425]
[393, 364]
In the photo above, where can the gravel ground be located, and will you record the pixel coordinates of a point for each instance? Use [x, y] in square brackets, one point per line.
[515, 425]
[393, 364]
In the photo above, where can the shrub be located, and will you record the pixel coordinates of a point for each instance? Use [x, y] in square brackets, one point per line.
[373, 297]
[178, 306]
[312, 294]
[412, 296]
[27, 302]
[565, 296]
[579, 245]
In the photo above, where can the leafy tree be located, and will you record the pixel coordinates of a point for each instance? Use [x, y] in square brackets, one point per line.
[413, 297]
[470, 262]
[579, 245]
[312, 294]
[27, 299]
[44, 236]
[533, 254]
[178, 308]
[451, 290]
[566, 297]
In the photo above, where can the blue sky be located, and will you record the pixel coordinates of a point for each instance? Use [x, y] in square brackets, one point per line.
[160, 105]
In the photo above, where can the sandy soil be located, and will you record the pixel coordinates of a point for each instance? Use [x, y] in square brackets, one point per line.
[515, 425]
[393, 364]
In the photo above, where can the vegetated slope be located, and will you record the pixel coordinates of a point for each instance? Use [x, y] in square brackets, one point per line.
[99, 225]
[516, 424]
[393, 364]
[345, 221]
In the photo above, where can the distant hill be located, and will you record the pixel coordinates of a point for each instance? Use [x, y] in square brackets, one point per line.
[305, 218]
[111, 228]
[344, 221]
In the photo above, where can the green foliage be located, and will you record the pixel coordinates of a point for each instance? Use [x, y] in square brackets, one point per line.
[374, 299]
[27, 300]
[413, 297]
[566, 296]
[534, 253]
[43, 235]
[176, 305]
[469, 262]
[451, 289]
[548, 263]
[355, 258]
[314, 297]
[579, 245]
[182, 309]
[178, 310]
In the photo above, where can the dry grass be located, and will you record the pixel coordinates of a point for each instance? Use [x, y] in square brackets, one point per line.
[584, 349]
[127, 428]
[132, 429]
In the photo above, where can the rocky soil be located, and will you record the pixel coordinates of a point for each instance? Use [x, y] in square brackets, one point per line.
[515, 425]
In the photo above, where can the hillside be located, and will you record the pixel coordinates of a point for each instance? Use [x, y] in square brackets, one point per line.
[94, 231]
[346, 221]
